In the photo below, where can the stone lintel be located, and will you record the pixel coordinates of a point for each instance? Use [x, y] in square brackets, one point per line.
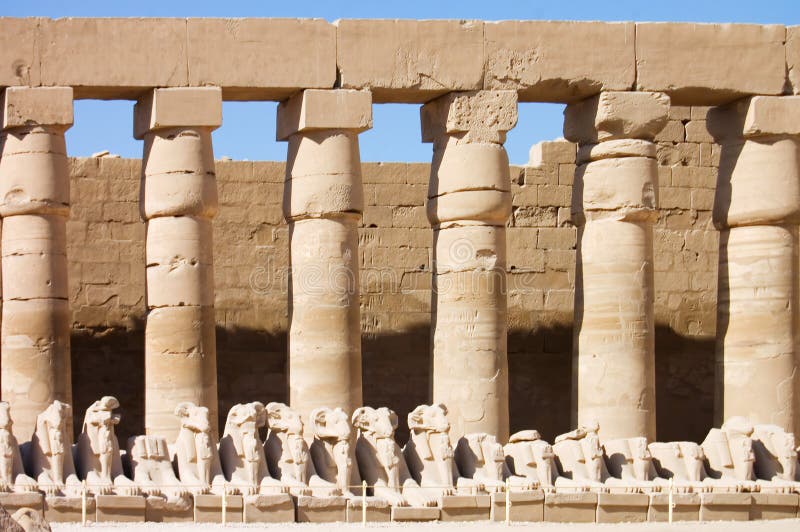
[48, 106]
[177, 107]
[487, 114]
[319, 109]
[616, 115]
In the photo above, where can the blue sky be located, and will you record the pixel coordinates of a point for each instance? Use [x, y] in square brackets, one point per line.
[248, 130]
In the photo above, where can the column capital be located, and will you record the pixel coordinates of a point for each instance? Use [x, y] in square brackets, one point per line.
[177, 107]
[754, 117]
[47, 106]
[320, 109]
[485, 116]
[616, 115]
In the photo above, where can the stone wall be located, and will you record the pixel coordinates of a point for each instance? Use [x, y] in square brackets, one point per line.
[106, 254]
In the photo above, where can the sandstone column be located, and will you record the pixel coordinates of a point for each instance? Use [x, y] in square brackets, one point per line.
[178, 200]
[34, 204]
[469, 201]
[322, 203]
[615, 205]
[757, 210]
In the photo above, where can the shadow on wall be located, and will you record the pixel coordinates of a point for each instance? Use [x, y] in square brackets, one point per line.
[252, 365]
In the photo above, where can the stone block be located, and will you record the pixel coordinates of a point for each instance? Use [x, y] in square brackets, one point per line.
[616, 115]
[120, 508]
[725, 506]
[67, 509]
[278, 508]
[526, 506]
[410, 60]
[315, 109]
[772, 115]
[570, 507]
[686, 507]
[208, 508]
[697, 131]
[19, 52]
[488, 112]
[727, 60]
[774, 506]
[414, 513]
[378, 510]
[622, 507]
[113, 57]
[465, 507]
[177, 106]
[559, 61]
[552, 151]
[14, 501]
[39, 105]
[321, 509]
[793, 57]
[281, 56]
[162, 510]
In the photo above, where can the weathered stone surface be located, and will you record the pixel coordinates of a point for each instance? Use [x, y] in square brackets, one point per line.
[727, 60]
[410, 60]
[483, 115]
[19, 51]
[282, 56]
[165, 108]
[616, 115]
[772, 115]
[559, 61]
[793, 56]
[23, 106]
[113, 57]
[314, 109]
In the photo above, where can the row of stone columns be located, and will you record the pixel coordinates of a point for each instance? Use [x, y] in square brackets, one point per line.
[615, 204]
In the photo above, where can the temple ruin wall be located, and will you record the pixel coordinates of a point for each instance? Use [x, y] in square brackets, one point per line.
[107, 284]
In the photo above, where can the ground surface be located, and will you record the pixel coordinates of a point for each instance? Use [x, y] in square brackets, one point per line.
[788, 525]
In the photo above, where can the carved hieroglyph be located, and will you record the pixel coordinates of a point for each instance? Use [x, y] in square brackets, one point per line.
[288, 456]
[97, 458]
[322, 204]
[480, 456]
[49, 458]
[469, 201]
[430, 456]
[195, 452]
[381, 462]
[757, 210]
[178, 201]
[242, 451]
[528, 455]
[34, 205]
[331, 451]
[12, 471]
[614, 204]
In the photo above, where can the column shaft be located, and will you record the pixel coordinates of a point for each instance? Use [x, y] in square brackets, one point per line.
[757, 209]
[615, 206]
[34, 204]
[323, 203]
[179, 201]
[469, 202]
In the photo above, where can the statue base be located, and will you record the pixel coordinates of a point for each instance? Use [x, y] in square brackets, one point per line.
[120, 508]
[378, 510]
[579, 507]
[277, 508]
[321, 509]
[465, 507]
[725, 506]
[527, 506]
[687, 507]
[208, 508]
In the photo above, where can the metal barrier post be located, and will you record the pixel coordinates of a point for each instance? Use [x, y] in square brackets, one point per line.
[670, 501]
[364, 503]
[508, 502]
[83, 503]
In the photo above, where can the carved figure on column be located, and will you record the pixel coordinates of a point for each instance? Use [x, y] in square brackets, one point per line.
[528, 455]
[430, 456]
[50, 453]
[12, 471]
[288, 456]
[381, 461]
[242, 451]
[480, 457]
[195, 452]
